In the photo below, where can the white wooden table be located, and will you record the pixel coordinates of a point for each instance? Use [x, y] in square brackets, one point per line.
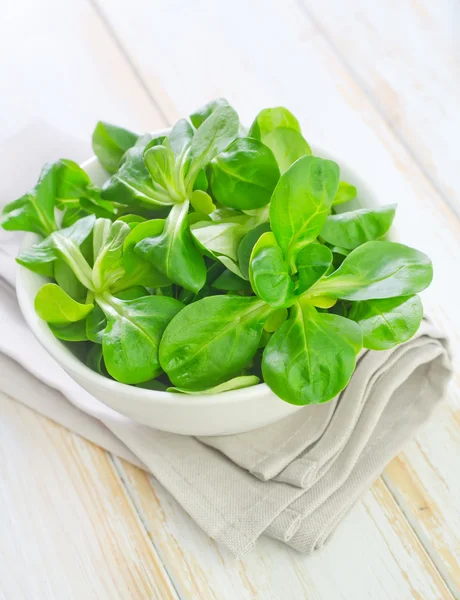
[376, 82]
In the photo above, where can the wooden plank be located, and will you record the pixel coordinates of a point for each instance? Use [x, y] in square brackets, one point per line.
[301, 71]
[405, 56]
[68, 528]
[374, 554]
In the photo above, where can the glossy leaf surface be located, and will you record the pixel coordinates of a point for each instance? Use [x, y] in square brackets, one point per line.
[132, 336]
[35, 210]
[312, 356]
[244, 175]
[110, 143]
[301, 202]
[174, 253]
[387, 322]
[269, 273]
[351, 229]
[53, 305]
[212, 340]
[378, 270]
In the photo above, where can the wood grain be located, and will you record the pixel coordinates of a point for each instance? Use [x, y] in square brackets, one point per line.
[68, 528]
[386, 561]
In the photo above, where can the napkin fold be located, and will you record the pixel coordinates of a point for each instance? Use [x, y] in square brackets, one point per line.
[294, 480]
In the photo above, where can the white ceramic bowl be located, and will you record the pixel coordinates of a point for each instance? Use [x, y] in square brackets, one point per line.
[220, 414]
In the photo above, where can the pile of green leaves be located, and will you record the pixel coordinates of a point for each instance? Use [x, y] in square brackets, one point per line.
[213, 258]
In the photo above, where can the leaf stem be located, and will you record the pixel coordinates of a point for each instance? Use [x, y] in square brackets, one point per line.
[73, 256]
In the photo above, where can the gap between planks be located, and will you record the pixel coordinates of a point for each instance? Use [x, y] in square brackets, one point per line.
[119, 471]
[130, 63]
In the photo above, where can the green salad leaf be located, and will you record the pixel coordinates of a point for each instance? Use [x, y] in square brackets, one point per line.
[378, 270]
[212, 340]
[313, 262]
[71, 332]
[64, 244]
[110, 144]
[311, 357]
[35, 210]
[132, 336]
[53, 305]
[349, 230]
[199, 116]
[243, 381]
[301, 203]
[132, 184]
[278, 129]
[269, 273]
[345, 193]
[212, 137]
[387, 322]
[244, 175]
[173, 251]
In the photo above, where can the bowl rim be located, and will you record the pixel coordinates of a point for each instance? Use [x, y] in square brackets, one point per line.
[72, 364]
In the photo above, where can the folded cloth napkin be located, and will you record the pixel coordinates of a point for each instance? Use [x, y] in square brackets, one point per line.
[294, 480]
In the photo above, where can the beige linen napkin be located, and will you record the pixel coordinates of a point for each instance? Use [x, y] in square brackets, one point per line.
[294, 480]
